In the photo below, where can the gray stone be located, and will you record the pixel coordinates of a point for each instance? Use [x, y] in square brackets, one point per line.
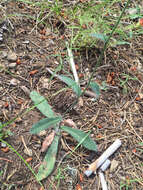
[11, 56]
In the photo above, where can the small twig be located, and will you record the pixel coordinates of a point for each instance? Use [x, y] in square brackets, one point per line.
[90, 94]
[5, 159]
[52, 73]
[72, 64]
[22, 138]
[96, 164]
[134, 130]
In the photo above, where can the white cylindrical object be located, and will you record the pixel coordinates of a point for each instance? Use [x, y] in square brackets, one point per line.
[110, 150]
[103, 181]
[105, 165]
[71, 60]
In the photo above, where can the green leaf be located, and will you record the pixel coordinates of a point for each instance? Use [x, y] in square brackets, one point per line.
[71, 83]
[95, 87]
[42, 104]
[79, 136]
[44, 124]
[99, 36]
[48, 163]
[122, 43]
[1, 126]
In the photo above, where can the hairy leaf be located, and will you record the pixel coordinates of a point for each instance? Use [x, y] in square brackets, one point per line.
[99, 36]
[79, 136]
[72, 84]
[95, 87]
[48, 163]
[44, 124]
[42, 104]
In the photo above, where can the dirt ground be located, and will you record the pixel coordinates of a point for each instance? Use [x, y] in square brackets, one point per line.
[25, 53]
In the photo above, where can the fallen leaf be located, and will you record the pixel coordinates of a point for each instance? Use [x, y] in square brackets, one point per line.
[114, 165]
[77, 67]
[43, 31]
[29, 159]
[134, 150]
[20, 101]
[141, 95]
[141, 22]
[138, 98]
[69, 123]
[99, 126]
[133, 68]
[11, 56]
[84, 26]
[109, 78]
[80, 102]
[99, 136]
[33, 72]
[43, 37]
[14, 82]
[6, 104]
[12, 65]
[81, 177]
[5, 149]
[78, 187]
[80, 75]
[18, 62]
[48, 140]
[28, 151]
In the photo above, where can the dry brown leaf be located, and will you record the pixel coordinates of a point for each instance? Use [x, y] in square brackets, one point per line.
[80, 102]
[48, 140]
[69, 123]
[29, 159]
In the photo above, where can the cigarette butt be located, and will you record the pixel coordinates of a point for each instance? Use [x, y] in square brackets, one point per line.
[97, 163]
[105, 165]
[103, 181]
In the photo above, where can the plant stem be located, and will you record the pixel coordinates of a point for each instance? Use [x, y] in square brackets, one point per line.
[101, 56]
[105, 47]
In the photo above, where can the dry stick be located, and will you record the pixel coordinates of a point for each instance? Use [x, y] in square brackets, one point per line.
[134, 130]
[22, 138]
[5, 159]
[96, 164]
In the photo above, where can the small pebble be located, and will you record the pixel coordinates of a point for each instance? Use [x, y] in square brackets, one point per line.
[14, 82]
[3, 145]
[4, 54]
[12, 65]
[132, 11]
[11, 56]
[25, 90]
[28, 151]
